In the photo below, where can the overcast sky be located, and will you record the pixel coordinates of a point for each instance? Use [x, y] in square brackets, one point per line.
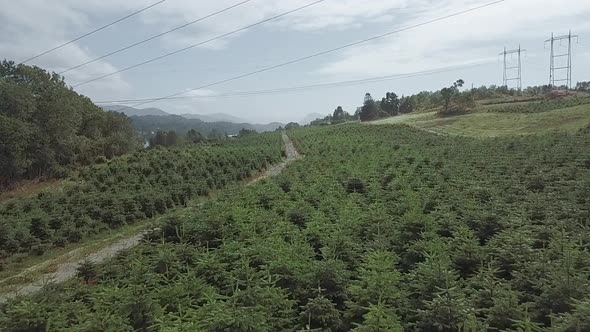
[33, 26]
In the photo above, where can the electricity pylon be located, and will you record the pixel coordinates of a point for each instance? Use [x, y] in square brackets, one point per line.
[556, 69]
[510, 69]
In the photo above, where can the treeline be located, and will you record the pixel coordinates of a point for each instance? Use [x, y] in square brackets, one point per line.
[149, 125]
[171, 138]
[46, 128]
[378, 228]
[447, 101]
[129, 189]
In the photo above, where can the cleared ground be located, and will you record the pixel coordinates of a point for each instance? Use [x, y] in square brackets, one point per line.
[488, 124]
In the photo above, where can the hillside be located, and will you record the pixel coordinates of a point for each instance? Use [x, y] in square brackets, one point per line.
[504, 118]
[151, 120]
[215, 117]
[149, 124]
[444, 231]
[130, 111]
[127, 190]
[47, 129]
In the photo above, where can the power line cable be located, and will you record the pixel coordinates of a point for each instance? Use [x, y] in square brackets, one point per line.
[94, 31]
[201, 43]
[323, 53]
[156, 36]
[307, 87]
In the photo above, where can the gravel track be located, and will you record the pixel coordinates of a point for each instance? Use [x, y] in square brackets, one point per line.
[274, 170]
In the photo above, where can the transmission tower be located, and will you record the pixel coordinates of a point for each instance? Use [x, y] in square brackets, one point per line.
[557, 67]
[509, 74]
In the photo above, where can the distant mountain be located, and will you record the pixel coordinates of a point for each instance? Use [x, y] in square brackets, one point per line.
[150, 120]
[149, 124]
[130, 111]
[310, 117]
[216, 117]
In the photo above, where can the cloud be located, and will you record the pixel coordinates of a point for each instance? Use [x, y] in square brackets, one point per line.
[30, 27]
[345, 14]
[200, 93]
[461, 39]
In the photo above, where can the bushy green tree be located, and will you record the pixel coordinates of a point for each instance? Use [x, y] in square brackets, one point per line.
[369, 111]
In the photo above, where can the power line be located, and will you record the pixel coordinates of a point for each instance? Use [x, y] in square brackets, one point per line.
[323, 53]
[94, 31]
[156, 36]
[201, 43]
[307, 87]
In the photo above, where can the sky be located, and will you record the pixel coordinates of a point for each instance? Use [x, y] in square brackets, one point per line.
[468, 44]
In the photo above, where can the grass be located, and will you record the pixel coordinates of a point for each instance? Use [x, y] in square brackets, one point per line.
[489, 124]
[28, 188]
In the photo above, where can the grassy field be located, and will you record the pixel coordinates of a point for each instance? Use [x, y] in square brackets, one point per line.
[28, 188]
[490, 124]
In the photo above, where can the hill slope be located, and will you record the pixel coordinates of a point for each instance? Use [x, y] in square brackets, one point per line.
[443, 231]
[215, 117]
[130, 111]
[148, 124]
[150, 120]
[503, 119]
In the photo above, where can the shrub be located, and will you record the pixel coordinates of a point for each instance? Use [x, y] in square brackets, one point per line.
[355, 185]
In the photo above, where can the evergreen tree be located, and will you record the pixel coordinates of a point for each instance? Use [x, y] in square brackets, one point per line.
[369, 111]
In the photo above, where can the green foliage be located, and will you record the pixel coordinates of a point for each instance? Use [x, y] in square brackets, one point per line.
[449, 95]
[245, 132]
[369, 111]
[47, 129]
[148, 125]
[339, 116]
[390, 104]
[194, 137]
[130, 189]
[583, 86]
[87, 271]
[320, 313]
[539, 106]
[447, 234]
[170, 138]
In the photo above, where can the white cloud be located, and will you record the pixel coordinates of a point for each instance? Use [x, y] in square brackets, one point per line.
[200, 93]
[30, 27]
[461, 39]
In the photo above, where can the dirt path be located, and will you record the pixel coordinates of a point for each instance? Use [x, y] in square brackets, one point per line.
[70, 261]
[274, 170]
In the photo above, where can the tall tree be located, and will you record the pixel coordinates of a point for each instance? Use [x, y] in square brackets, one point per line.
[369, 111]
[194, 136]
[390, 104]
[407, 104]
[338, 114]
[449, 93]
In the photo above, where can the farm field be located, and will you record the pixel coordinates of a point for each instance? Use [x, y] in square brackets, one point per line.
[488, 121]
[377, 228]
[122, 192]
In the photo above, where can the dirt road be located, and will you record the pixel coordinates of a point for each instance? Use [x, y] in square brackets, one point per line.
[67, 269]
[274, 170]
